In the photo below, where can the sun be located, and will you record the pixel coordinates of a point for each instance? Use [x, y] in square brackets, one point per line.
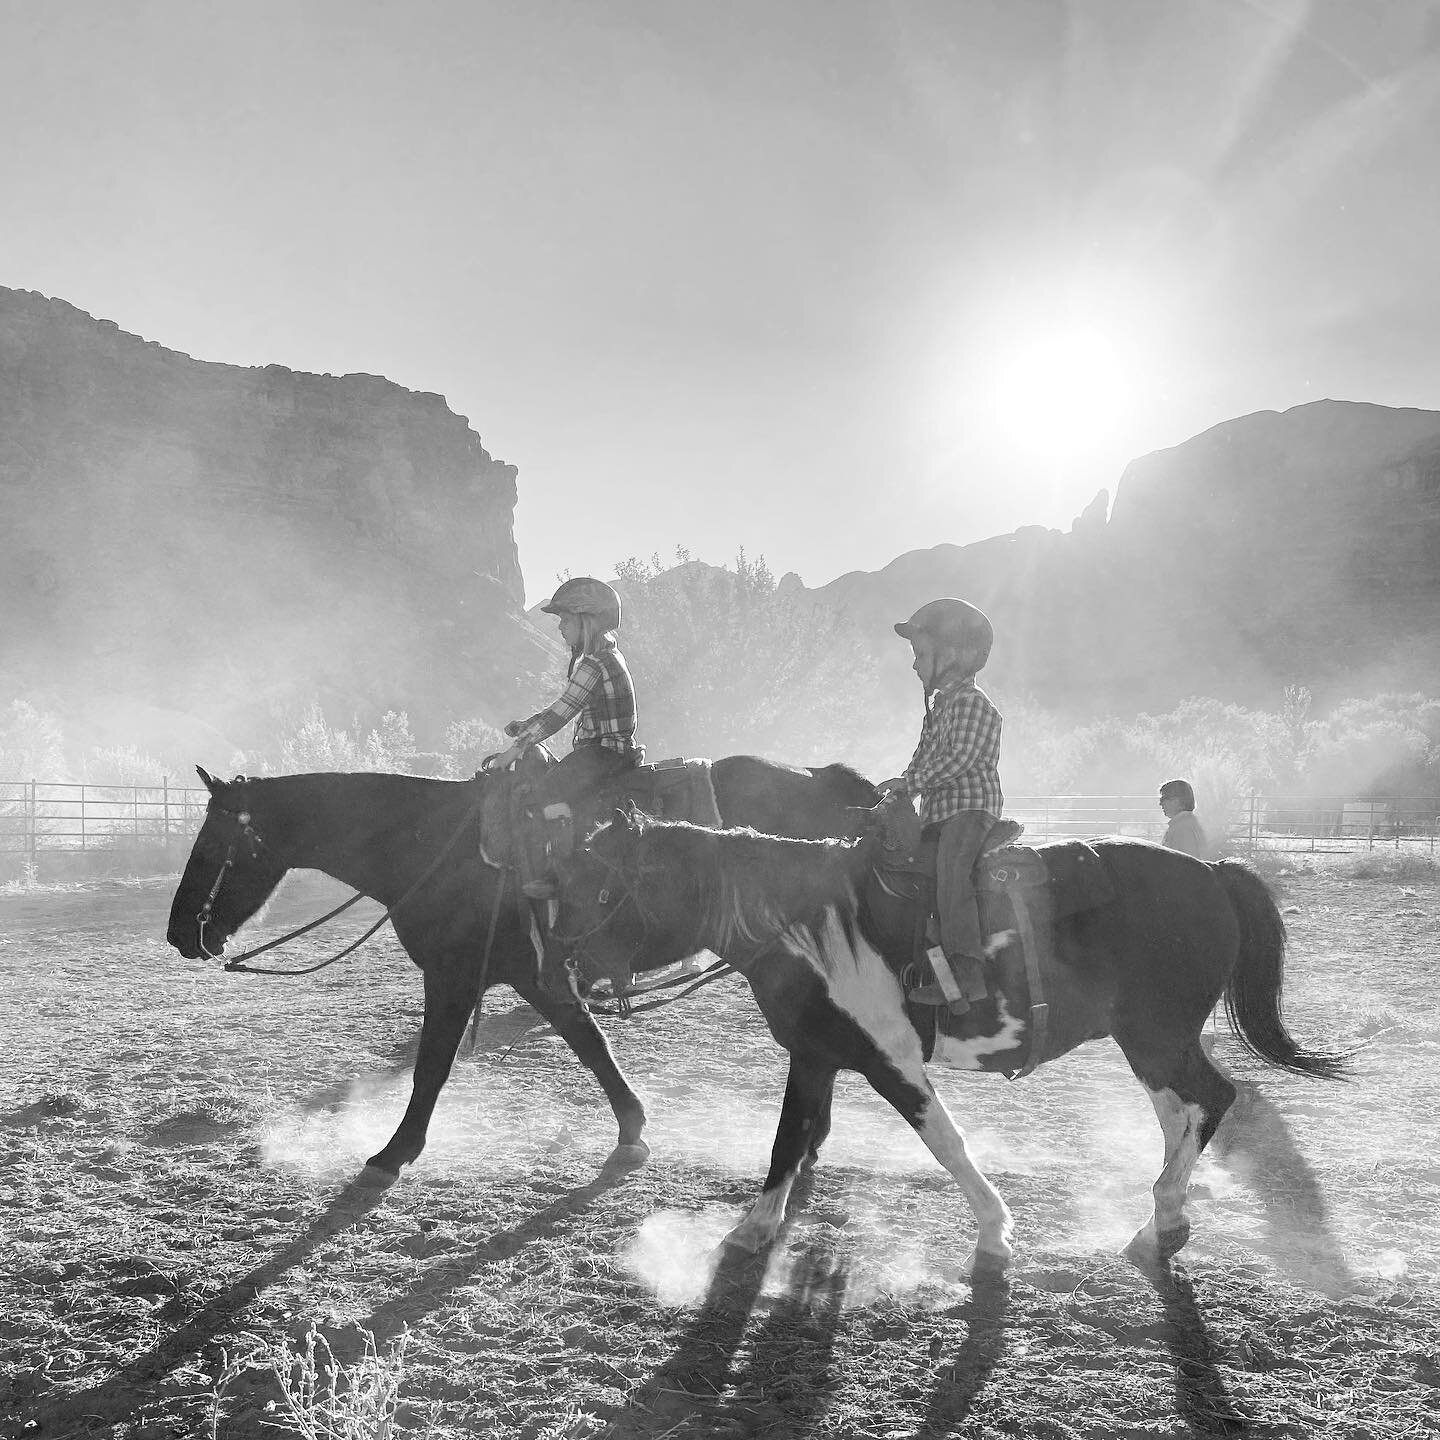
[1058, 392]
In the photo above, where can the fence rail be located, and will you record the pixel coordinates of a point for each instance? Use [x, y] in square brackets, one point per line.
[47, 815]
[51, 817]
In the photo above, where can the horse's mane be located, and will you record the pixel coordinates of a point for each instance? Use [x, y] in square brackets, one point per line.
[752, 888]
[849, 777]
[841, 770]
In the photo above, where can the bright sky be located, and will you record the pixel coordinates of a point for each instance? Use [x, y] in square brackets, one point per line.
[826, 279]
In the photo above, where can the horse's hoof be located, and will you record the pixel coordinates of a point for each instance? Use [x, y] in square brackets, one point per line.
[1172, 1241]
[743, 1243]
[1152, 1249]
[627, 1157]
[376, 1177]
[988, 1266]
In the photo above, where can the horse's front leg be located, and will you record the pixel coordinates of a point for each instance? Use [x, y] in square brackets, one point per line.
[901, 1079]
[451, 990]
[804, 1123]
[576, 1026]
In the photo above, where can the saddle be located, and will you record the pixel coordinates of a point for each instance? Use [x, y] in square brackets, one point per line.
[516, 833]
[1022, 891]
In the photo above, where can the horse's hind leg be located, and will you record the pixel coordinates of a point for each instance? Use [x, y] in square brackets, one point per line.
[577, 1028]
[1190, 1097]
[804, 1123]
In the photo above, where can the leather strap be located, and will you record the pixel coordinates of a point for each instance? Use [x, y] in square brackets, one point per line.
[1031, 942]
[944, 975]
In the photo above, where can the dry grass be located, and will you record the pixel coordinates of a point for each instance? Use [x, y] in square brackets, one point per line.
[176, 1146]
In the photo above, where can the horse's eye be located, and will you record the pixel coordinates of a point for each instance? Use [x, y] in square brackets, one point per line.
[603, 897]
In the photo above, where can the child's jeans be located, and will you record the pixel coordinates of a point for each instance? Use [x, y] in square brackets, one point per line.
[960, 839]
[582, 772]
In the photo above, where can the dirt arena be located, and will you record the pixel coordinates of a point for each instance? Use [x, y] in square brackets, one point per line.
[176, 1146]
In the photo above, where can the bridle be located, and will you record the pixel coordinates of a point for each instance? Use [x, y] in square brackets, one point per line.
[247, 832]
[624, 1006]
[602, 899]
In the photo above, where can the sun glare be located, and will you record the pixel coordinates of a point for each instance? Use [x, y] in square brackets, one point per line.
[1061, 392]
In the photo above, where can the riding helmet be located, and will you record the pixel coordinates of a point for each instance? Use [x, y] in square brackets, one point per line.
[584, 595]
[956, 623]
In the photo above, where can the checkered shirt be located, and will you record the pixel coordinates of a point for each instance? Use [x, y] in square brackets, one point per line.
[599, 696]
[955, 766]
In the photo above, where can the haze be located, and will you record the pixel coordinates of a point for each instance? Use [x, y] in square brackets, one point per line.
[829, 281]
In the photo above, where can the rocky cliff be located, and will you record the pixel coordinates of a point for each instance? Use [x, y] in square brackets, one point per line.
[224, 544]
[1294, 548]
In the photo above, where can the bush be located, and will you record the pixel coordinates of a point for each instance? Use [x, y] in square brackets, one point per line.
[468, 742]
[315, 745]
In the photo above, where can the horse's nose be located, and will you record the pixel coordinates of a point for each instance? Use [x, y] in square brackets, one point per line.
[183, 937]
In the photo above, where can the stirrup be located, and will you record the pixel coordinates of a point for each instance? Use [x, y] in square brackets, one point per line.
[934, 994]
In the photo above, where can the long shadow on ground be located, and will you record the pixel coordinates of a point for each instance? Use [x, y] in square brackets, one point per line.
[136, 1384]
[439, 1281]
[958, 1383]
[1255, 1143]
[1200, 1394]
[784, 1387]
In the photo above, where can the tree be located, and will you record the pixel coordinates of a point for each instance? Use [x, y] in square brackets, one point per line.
[730, 661]
[32, 744]
[316, 745]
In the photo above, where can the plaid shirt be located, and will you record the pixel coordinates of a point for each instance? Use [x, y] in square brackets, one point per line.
[955, 766]
[601, 694]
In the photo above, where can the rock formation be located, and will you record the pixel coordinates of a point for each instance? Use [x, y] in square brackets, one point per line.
[228, 543]
[203, 549]
[1275, 549]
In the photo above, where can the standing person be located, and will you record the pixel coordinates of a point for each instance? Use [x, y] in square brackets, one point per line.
[1184, 831]
[955, 774]
[598, 695]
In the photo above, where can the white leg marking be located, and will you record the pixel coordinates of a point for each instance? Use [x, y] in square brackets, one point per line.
[946, 1142]
[862, 985]
[762, 1223]
[1180, 1121]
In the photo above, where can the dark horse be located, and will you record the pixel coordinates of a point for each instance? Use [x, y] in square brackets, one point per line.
[464, 925]
[820, 943]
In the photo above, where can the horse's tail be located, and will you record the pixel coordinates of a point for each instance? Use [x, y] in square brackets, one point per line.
[1252, 994]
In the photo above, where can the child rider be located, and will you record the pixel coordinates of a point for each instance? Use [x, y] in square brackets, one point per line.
[955, 774]
[598, 695]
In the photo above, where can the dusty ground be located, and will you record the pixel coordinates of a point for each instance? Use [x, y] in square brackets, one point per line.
[175, 1147]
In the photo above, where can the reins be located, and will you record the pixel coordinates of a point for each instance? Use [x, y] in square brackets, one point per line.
[624, 1009]
[238, 963]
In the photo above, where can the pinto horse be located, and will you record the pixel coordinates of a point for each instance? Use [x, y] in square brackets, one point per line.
[821, 944]
[412, 844]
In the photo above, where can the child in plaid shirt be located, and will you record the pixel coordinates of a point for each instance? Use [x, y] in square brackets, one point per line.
[955, 774]
[598, 695]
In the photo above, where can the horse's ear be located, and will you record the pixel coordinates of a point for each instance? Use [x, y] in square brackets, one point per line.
[209, 781]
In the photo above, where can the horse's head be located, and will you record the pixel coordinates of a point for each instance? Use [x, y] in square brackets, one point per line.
[230, 874]
[601, 923]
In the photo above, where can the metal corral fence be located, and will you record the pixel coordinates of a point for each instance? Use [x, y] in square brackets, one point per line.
[71, 819]
[63, 819]
[1289, 823]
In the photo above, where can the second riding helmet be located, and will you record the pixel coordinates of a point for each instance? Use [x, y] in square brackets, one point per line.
[957, 624]
[584, 595]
